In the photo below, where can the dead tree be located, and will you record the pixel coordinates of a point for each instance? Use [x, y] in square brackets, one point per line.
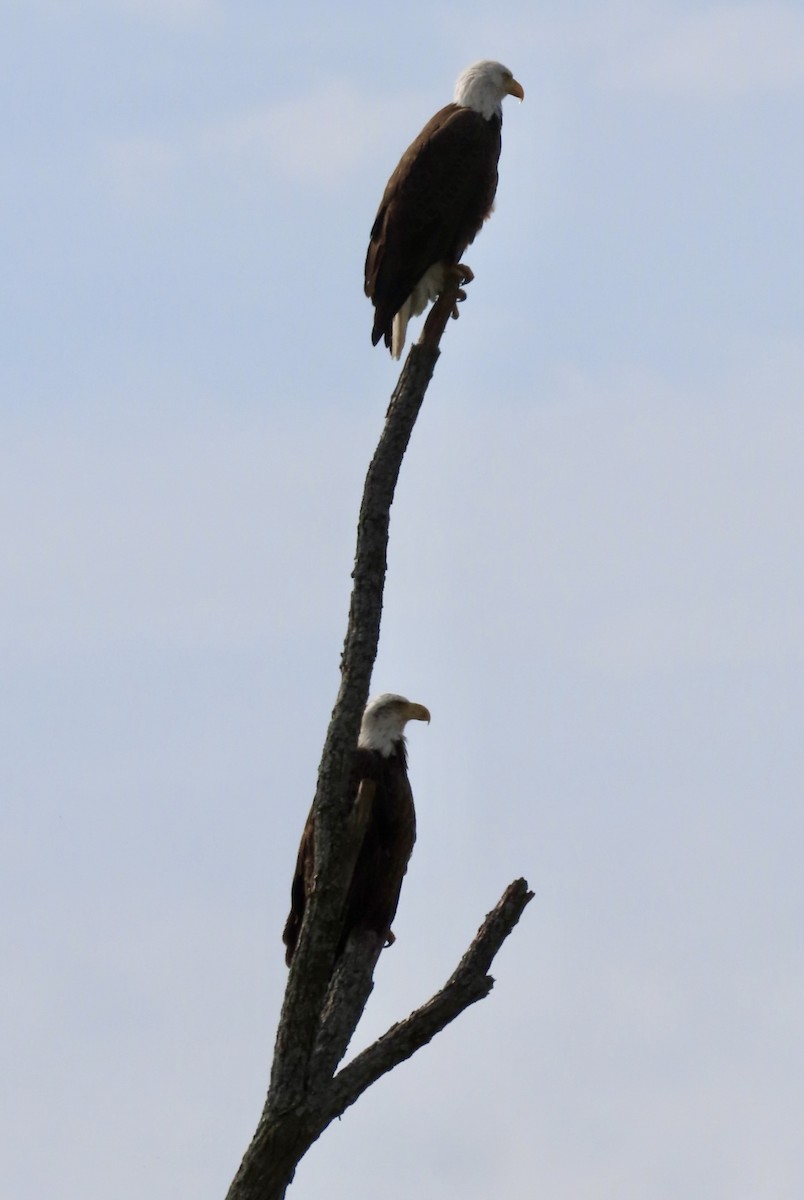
[324, 1000]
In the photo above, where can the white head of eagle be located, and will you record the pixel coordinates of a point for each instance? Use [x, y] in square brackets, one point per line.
[436, 201]
[384, 720]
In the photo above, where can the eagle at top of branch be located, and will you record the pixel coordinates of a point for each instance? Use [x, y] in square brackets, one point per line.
[436, 202]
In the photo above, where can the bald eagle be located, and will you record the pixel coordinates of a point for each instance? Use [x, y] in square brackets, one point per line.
[436, 201]
[390, 833]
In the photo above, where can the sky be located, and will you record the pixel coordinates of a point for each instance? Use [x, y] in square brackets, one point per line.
[595, 584]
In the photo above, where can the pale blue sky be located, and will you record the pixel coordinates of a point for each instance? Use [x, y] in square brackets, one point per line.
[595, 585]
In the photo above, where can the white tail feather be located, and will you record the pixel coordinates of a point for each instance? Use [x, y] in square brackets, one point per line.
[428, 287]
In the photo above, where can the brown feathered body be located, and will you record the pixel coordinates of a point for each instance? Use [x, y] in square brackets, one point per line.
[434, 205]
[383, 857]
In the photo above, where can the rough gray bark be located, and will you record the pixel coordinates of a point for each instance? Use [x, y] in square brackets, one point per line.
[322, 1006]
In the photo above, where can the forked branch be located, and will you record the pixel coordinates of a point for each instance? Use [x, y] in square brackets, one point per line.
[469, 982]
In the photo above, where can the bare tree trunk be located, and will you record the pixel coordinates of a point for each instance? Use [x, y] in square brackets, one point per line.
[324, 1000]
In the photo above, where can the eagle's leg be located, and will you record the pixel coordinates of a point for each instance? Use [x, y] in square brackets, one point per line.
[461, 274]
[450, 293]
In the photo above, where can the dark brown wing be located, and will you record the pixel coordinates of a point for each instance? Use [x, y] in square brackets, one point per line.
[365, 766]
[382, 860]
[435, 203]
[300, 888]
[386, 851]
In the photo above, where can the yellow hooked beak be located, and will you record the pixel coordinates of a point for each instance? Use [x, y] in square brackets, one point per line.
[515, 88]
[417, 712]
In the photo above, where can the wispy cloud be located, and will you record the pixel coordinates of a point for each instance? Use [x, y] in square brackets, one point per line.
[319, 139]
[725, 50]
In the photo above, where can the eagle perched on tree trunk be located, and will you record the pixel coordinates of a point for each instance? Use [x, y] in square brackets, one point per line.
[390, 831]
[436, 202]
